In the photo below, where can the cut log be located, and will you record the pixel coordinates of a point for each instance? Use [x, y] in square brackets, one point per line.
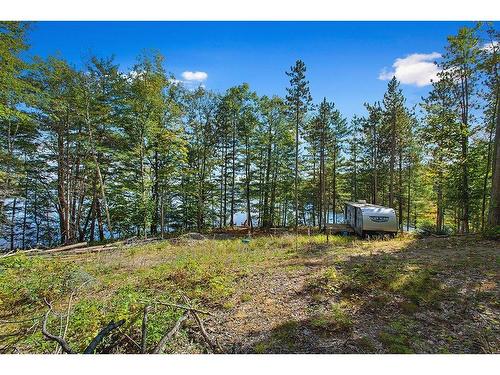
[90, 249]
[27, 252]
[65, 248]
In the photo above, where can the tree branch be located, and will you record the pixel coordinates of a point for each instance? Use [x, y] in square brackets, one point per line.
[101, 335]
[204, 333]
[144, 328]
[189, 308]
[64, 345]
[161, 345]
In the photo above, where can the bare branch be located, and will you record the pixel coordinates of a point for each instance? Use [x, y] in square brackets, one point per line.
[161, 345]
[129, 338]
[64, 345]
[188, 308]
[144, 328]
[204, 333]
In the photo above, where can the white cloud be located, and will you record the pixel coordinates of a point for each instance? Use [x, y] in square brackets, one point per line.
[195, 76]
[175, 81]
[490, 46]
[415, 69]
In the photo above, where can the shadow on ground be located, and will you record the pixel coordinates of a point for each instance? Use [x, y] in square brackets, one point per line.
[431, 296]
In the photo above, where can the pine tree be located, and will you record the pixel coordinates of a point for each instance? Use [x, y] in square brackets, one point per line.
[298, 100]
[459, 67]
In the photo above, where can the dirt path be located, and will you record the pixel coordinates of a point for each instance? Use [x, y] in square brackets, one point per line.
[265, 301]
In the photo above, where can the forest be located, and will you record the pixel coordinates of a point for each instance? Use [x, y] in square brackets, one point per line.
[100, 153]
[139, 214]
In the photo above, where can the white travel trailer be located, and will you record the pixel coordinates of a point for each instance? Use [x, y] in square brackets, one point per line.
[367, 218]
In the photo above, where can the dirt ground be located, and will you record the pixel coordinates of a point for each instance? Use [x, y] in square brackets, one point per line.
[453, 309]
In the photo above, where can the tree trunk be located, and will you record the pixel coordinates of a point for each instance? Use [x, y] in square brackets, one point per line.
[247, 183]
[156, 196]
[494, 215]
[392, 161]
[13, 224]
[233, 156]
[61, 190]
[375, 166]
[297, 171]
[400, 190]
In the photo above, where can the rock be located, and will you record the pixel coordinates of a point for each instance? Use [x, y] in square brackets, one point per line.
[194, 236]
[188, 238]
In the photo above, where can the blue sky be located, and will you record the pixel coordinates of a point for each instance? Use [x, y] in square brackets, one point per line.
[345, 60]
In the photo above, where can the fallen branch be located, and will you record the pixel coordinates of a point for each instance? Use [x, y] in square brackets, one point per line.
[187, 308]
[101, 335]
[12, 253]
[2, 321]
[129, 338]
[144, 328]
[40, 251]
[204, 333]
[91, 249]
[165, 339]
[68, 311]
[64, 345]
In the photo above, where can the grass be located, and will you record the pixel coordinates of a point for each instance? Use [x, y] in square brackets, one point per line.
[282, 338]
[399, 337]
[335, 319]
[386, 283]
[114, 286]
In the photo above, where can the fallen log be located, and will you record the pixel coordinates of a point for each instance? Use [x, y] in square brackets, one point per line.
[439, 235]
[12, 253]
[90, 249]
[67, 247]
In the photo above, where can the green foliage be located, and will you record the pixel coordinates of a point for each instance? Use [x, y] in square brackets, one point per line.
[31, 279]
[492, 233]
[418, 286]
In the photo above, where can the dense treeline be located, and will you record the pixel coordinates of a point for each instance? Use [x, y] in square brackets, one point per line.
[98, 153]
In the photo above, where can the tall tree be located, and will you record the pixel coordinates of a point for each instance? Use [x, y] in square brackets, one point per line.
[17, 130]
[394, 108]
[490, 65]
[459, 66]
[298, 100]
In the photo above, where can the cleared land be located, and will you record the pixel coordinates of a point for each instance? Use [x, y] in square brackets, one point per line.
[431, 295]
